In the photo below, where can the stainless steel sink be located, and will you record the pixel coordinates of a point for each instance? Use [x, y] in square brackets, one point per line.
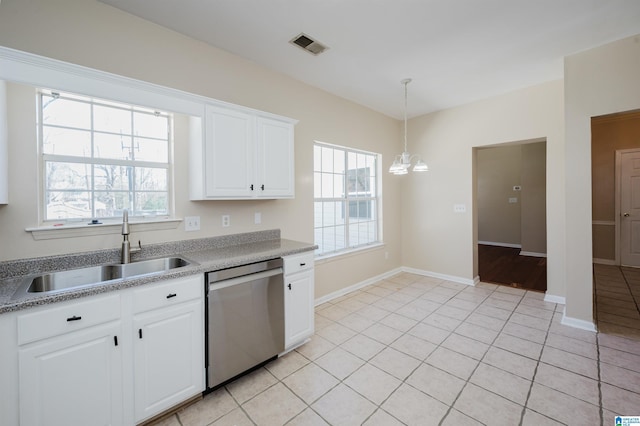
[74, 278]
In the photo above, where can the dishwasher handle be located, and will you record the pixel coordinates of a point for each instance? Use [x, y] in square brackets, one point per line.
[244, 279]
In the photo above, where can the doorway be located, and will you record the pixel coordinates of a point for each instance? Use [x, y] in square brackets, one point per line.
[510, 188]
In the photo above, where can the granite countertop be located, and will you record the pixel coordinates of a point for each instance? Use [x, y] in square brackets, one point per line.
[207, 254]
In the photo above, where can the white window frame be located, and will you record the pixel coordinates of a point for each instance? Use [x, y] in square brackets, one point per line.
[377, 198]
[43, 158]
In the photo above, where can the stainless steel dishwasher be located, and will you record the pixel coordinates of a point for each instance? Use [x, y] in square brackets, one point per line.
[245, 319]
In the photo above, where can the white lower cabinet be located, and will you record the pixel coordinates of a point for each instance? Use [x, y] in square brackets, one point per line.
[168, 349]
[73, 379]
[298, 299]
[115, 359]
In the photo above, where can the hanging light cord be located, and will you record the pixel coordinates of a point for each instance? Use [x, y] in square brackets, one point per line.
[405, 82]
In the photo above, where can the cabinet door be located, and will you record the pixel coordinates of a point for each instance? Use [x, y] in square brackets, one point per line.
[229, 153]
[299, 296]
[168, 357]
[73, 379]
[275, 159]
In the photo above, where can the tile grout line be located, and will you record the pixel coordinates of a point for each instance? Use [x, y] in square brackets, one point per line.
[467, 381]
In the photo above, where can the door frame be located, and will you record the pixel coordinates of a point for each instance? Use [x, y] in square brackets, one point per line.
[618, 192]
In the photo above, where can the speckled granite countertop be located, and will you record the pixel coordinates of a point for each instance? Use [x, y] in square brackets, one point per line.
[206, 254]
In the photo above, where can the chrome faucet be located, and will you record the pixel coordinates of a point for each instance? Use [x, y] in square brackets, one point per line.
[125, 254]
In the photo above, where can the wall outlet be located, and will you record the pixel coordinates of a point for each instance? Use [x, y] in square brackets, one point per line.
[226, 220]
[257, 218]
[459, 208]
[517, 188]
[192, 223]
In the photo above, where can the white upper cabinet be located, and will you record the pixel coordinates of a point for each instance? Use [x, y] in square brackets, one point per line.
[243, 155]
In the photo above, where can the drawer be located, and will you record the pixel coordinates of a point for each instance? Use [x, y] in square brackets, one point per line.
[298, 262]
[71, 316]
[168, 293]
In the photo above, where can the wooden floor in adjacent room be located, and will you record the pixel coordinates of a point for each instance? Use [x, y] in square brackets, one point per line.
[504, 265]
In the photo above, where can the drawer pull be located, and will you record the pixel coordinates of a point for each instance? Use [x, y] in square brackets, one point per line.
[171, 295]
[115, 340]
[289, 286]
[74, 318]
[303, 264]
[140, 333]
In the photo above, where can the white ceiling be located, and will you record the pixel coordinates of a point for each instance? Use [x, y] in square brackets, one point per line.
[456, 51]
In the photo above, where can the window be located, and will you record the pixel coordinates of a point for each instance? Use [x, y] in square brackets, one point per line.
[346, 198]
[101, 157]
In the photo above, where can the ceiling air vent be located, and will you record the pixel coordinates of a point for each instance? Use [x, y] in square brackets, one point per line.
[305, 42]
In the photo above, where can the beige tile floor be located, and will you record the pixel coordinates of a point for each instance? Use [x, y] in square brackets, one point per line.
[414, 350]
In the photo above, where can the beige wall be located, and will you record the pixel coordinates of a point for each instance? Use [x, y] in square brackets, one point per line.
[522, 223]
[533, 235]
[498, 170]
[437, 239]
[92, 34]
[599, 81]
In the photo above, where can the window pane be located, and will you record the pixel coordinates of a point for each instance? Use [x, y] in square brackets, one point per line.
[109, 177]
[151, 150]
[317, 158]
[112, 203]
[67, 204]
[111, 120]
[61, 141]
[327, 185]
[338, 161]
[64, 112]
[151, 203]
[327, 160]
[67, 176]
[148, 179]
[151, 126]
[116, 147]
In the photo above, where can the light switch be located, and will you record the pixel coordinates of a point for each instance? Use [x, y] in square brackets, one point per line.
[192, 223]
[513, 200]
[257, 218]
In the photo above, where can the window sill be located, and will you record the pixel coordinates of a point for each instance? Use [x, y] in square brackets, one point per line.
[71, 229]
[347, 253]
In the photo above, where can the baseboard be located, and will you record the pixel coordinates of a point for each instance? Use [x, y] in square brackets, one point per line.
[604, 261]
[492, 243]
[532, 254]
[453, 278]
[554, 299]
[357, 286]
[577, 323]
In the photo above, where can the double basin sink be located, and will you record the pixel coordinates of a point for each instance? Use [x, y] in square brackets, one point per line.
[55, 282]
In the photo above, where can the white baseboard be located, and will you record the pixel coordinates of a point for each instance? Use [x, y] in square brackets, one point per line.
[604, 261]
[555, 299]
[577, 323]
[492, 243]
[532, 254]
[453, 278]
[357, 286]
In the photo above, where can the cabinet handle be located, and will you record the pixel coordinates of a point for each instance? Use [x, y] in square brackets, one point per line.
[115, 340]
[171, 295]
[140, 333]
[251, 187]
[302, 264]
[74, 318]
[262, 187]
[289, 286]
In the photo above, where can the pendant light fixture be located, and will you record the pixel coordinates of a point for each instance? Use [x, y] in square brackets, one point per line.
[402, 163]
